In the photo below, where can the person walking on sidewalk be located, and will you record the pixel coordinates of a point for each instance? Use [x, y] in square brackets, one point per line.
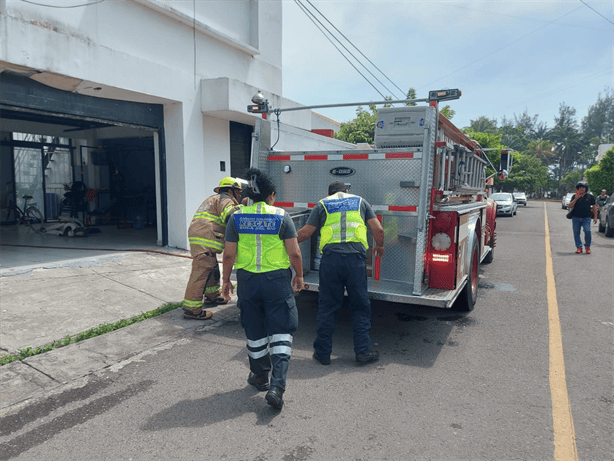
[261, 243]
[206, 237]
[341, 219]
[583, 206]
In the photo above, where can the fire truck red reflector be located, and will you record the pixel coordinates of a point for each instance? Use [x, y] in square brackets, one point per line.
[402, 208]
[356, 157]
[316, 157]
[400, 155]
[278, 158]
[311, 205]
[285, 204]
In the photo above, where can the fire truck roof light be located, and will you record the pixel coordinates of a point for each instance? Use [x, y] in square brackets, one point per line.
[444, 95]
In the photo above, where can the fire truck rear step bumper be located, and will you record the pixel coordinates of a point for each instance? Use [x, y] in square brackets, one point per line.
[386, 290]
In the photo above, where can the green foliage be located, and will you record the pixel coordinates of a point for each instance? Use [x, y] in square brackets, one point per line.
[447, 112]
[528, 174]
[361, 129]
[599, 123]
[601, 176]
[91, 333]
[571, 179]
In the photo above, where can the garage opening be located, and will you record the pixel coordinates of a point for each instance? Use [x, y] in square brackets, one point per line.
[85, 162]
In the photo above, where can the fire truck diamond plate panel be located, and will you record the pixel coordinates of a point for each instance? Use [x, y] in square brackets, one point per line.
[377, 181]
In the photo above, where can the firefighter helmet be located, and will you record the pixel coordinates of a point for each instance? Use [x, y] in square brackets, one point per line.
[229, 182]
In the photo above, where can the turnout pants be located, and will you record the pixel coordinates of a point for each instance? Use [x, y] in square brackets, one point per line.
[338, 272]
[269, 317]
[204, 281]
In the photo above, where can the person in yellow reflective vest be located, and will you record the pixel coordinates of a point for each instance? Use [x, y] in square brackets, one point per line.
[206, 237]
[261, 244]
[342, 219]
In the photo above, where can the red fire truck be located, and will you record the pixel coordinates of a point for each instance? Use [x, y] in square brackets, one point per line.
[424, 179]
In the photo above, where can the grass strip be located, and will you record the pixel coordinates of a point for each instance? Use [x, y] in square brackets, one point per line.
[91, 333]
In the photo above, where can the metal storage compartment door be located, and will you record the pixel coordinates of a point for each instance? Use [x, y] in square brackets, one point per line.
[400, 126]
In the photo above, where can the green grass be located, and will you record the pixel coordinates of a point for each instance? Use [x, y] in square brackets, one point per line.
[91, 333]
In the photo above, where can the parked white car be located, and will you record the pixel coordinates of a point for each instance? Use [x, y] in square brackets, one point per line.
[505, 203]
[567, 200]
[520, 198]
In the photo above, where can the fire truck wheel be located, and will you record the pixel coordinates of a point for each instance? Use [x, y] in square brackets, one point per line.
[491, 254]
[466, 300]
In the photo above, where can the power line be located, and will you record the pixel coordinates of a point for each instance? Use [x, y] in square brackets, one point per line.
[588, 6]
[500, 48]
[321, 26]
[591, 76]
[456, 5]
[57, 6]
[363, 55]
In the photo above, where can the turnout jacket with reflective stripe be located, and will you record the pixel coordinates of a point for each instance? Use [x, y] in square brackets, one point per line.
[208, 226]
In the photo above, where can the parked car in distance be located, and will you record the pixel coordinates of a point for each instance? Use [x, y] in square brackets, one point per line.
[606, 218]
[505, 203]
[520, 198]
[567, 200]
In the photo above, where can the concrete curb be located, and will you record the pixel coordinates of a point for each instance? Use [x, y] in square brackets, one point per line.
[23, 382]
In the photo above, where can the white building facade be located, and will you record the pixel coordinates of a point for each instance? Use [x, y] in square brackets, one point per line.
[156, 90]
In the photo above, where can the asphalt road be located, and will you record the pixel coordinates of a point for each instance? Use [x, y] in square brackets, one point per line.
[487, 385]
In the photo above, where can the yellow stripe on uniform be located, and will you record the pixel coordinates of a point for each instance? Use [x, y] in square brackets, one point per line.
[565, 447]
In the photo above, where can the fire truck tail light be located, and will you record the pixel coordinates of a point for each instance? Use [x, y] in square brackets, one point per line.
[439, 258]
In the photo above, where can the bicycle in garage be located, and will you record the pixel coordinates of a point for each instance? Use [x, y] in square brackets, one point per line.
[30, 216]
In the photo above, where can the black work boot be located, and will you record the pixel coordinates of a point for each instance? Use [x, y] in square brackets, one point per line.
[274, 397]
[370, 356]
[260, 382]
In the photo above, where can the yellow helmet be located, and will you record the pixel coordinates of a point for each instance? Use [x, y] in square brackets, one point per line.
[228, 181]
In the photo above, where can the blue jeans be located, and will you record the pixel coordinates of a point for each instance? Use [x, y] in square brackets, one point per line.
[339, 272]
[578, 224]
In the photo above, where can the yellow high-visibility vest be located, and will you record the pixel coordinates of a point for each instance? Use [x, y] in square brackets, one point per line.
[259, 248]
[343, 220]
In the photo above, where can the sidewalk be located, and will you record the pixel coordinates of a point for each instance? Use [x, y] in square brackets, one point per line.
[40, 305]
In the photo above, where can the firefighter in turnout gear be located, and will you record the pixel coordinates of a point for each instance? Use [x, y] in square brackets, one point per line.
[343, 219]
[261, 243]
[206, 237]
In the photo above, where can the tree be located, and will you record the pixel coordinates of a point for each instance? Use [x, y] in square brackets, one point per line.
[361, 129]
[601, 176]
[528, 174]
[599, 123]
[483, 125]
[566, 140]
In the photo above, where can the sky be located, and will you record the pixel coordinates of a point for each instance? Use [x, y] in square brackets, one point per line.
[507, 57]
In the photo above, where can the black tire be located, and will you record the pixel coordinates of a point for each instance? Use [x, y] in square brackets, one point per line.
[609, 230]
[467, 298]
[491, 254]
[34, 219]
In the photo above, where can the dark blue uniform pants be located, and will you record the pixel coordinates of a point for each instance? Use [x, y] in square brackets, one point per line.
[269, 317]
[338, 272]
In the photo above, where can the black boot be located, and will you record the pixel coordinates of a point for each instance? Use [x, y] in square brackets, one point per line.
[274, 397]
[260, 382]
